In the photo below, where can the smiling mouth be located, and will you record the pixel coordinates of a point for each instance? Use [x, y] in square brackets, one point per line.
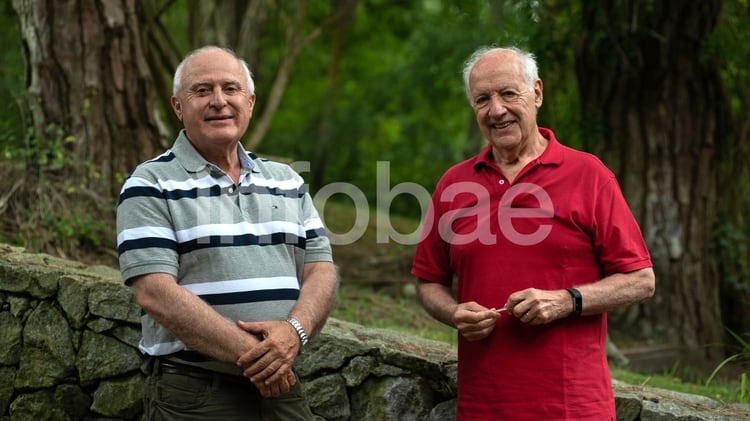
[502, 125]
[219, 118]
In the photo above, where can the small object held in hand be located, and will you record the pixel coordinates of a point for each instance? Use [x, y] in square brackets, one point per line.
[500, 310]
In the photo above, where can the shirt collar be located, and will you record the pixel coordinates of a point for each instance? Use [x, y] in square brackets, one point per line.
[552, 155]
[193, 161]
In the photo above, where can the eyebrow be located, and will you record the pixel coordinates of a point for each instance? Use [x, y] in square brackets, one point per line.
[210, 83]
[499, 89]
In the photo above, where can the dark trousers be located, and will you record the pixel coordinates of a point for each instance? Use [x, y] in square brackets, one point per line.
[186, 393]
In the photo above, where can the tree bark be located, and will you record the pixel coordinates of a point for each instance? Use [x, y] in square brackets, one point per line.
[163, 56]
[88, 78]
[654, 107]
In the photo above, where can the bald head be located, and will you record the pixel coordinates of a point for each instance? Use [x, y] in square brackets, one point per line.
[177, 81]
[525, 59]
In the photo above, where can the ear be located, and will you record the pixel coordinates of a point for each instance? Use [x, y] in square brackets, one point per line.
[538, 93]
[251, 101]
[177, 107]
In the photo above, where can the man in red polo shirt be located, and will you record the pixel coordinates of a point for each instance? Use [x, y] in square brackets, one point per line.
[541, 244]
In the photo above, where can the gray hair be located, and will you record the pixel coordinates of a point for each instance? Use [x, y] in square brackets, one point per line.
[528, 63]
[177, 81]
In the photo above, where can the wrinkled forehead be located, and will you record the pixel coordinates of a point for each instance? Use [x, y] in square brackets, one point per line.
[499, 68]
[213, 65]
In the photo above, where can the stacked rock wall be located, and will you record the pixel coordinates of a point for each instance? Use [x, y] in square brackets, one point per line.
[68, 351]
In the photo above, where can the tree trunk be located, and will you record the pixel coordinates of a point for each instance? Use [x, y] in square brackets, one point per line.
[163, 56]
[87, 78]
[654, 108]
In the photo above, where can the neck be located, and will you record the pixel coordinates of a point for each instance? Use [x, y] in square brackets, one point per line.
[520, 154]
[225, 158]
[228, 161]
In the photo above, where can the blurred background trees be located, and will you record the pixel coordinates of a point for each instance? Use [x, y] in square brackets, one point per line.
[659, 89]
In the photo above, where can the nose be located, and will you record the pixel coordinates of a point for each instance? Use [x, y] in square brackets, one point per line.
[217, 98]
[497, 105]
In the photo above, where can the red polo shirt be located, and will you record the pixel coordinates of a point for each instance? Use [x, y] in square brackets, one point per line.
[562, 222]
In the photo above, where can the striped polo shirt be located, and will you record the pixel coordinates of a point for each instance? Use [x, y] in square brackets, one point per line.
[239, 248]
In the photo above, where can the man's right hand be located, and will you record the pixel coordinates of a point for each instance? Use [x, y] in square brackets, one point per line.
[474, 321]
[269, 364]
[200, 327]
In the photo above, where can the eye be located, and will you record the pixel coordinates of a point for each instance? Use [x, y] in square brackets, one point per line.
[481, 100]
[231, 89]
[202, 90]
[510, 96]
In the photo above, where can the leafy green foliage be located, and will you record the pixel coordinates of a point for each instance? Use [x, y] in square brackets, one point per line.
[50, 151]
[46, 209]
[561, 108]
[400, 97]
[12, 109]
[732, 244]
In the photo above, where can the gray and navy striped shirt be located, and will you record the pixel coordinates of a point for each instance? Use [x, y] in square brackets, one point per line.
[240, 248]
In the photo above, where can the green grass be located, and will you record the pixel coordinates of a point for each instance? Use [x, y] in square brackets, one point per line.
[363, 305]
[725, 391]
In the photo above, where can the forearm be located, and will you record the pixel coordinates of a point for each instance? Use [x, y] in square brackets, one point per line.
[317, 296]
[191, 319]
[437, 300]
[617, 291]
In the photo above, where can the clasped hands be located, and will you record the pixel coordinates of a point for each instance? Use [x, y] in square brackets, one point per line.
[268, 364]
[531, 306]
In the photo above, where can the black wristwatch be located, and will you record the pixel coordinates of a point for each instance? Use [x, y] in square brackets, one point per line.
[577, 301]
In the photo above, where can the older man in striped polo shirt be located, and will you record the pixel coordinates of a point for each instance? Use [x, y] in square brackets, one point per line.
[227, 257]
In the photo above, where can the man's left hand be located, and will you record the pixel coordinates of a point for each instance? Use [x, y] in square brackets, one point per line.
[537, 307]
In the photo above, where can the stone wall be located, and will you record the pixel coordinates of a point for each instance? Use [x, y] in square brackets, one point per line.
[68, 351]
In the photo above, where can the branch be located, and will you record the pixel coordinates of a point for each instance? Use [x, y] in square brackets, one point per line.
[296, 42]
